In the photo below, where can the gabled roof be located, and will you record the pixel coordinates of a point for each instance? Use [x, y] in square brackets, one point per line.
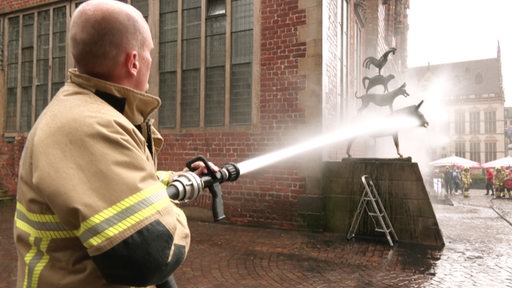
[460, 78]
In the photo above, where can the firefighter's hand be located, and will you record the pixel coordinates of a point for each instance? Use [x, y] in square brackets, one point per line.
[200, 169]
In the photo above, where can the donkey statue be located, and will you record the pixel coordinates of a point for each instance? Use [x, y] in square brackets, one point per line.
[413, 111]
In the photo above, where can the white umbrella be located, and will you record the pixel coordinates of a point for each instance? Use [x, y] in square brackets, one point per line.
[502, 162]
[455, 161]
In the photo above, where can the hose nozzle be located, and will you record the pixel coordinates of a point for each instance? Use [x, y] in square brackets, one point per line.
[230, 173]
[187, 186]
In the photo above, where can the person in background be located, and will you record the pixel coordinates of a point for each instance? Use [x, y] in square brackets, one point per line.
[457, 181]
[489, 185]
[91, 210]
[508, 183]
[499, 182]
[448, 181]
[466, 181]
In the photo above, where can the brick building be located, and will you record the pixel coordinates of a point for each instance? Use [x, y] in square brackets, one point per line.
[237, 79]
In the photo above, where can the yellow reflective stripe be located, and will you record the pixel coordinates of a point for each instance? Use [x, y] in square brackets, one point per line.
[37, 217]
[42, 228]
[44, 234]
[109, 212]
[123, 215]
[164, 176]
[28, 259]
[41, 225]
[35, 261]
[104, 225]
[127, 223]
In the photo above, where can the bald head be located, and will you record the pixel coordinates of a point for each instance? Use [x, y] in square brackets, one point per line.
[102, 33]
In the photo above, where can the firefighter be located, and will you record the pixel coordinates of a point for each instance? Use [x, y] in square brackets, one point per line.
[91, 211]
[466, 181]
[499, 182]
[508, 183]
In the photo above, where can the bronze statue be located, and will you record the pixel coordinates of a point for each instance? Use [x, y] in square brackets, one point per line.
[413, 111]
[378, 63]
[376, 81]
[385, 99]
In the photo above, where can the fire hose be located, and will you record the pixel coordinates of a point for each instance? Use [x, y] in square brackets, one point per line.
[188, 185]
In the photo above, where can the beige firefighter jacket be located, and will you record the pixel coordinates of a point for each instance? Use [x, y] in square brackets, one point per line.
[499, 177]
[87, 181]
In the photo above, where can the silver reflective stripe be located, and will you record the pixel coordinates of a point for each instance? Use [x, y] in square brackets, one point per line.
[41, 225]
[42, 228]
[35, 260]
[102, 226]
[123, 215]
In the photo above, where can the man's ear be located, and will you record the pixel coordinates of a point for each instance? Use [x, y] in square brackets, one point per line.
[133, 62]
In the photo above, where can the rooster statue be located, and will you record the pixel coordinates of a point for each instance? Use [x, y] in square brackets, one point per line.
[378, 63]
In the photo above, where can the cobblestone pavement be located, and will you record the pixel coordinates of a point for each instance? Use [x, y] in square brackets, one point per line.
[478, 242]
[7, 252]
[477, 253]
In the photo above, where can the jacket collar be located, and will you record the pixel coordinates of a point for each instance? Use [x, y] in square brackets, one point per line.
[138, 105]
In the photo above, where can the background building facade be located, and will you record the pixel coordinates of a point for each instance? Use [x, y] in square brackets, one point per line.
[470, 118]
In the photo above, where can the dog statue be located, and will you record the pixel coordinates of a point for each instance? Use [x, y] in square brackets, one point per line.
[377, 80]
[414, 111]
[385, 99]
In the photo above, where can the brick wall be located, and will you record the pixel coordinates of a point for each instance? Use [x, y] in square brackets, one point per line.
[10, 152]
[10, 148]
[13, 5]
[267, 196]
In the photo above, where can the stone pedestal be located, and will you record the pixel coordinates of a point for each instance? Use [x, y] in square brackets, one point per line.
[402, 191]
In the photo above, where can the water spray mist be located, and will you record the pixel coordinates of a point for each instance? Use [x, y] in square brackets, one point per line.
[370, 126]
[187, 186]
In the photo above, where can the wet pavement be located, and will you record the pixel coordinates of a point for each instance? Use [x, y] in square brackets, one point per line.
[478, 253]
[478, 238]
[7, 252]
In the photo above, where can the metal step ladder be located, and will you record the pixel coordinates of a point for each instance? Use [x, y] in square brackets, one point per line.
[370, 202]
